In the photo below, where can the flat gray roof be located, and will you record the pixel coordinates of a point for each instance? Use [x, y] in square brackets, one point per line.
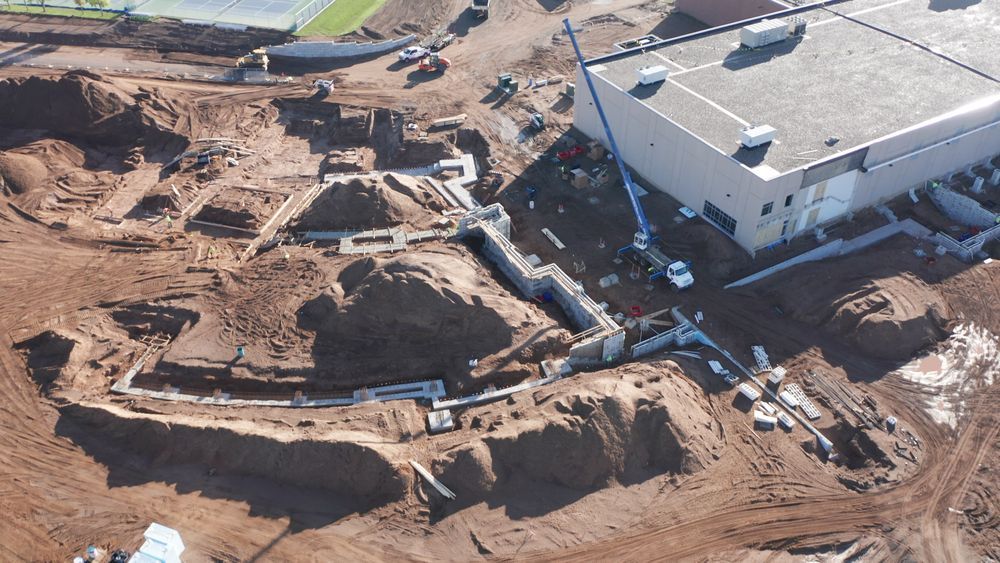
[864, 69]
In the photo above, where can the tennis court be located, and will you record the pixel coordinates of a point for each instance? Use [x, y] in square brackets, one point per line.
[274, 14]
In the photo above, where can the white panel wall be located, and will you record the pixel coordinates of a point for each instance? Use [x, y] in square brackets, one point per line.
[962, 148]
[673, 160]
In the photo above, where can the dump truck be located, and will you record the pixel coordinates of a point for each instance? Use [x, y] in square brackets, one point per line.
[256, 59]
[481, 8]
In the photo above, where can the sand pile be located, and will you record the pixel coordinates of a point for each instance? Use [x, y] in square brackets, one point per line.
[372, 202]
[49, 174]
[606, 429]
[423, 314]
[82, 105]
[885, 313]
[21, 173]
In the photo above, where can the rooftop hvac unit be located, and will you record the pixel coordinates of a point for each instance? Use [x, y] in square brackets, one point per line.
[751, 137]
[651, 74]
[764, 33]
[796, 26]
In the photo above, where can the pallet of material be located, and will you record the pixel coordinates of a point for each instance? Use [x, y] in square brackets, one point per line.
[450, 121]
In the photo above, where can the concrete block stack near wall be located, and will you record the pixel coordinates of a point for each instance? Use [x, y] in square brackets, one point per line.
[335, 50]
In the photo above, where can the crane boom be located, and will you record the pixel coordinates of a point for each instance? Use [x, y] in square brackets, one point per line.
[643, 235]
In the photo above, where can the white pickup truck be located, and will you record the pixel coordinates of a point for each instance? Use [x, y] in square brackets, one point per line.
[413, 53]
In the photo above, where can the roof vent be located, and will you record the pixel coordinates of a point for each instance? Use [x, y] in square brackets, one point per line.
[651, 74]
[752, 137]
[764, 32]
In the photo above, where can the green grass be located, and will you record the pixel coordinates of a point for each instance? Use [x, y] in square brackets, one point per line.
[57, 11]
[341, 17]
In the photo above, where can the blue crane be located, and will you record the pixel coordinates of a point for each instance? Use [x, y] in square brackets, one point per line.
[643, 235]
[660, 265]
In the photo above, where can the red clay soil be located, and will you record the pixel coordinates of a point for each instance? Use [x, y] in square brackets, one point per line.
[343, 322]
[387, 200]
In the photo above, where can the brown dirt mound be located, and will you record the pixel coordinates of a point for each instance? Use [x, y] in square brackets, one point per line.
[373, 202]
[618, 426]
[21, 173]
[322, 323]
[434, 310]
[368, 474]
[82, 105]
[241, 209]
[868, 302]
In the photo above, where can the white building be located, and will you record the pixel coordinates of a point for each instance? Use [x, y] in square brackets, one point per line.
[875, 98]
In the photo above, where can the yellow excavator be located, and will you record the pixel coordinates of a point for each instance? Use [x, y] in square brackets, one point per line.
[256, 59]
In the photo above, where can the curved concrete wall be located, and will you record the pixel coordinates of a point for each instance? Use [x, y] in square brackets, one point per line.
[336, 50]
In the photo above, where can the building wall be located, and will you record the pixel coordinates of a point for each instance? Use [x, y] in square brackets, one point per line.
[970, 136]
[673, 160]
[670, 159]
[720, 12]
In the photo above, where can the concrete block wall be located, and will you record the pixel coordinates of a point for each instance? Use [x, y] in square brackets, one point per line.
[962, 208]
[336, 50]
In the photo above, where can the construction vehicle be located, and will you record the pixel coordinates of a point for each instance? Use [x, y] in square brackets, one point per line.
[536, 121]
[506, 84]
[434, 63]
[413, 53]
[439, 40]
[640, 252]
[481, 8]
[256, 59]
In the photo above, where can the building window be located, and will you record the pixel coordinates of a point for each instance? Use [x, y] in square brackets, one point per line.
[767, 207]
[723, 221]
[788, 200]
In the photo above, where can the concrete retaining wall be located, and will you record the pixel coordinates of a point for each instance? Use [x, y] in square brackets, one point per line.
[967, 249]
[600, 339]
[336, 50]
[840, 247]
[829, 249]
[681, 335]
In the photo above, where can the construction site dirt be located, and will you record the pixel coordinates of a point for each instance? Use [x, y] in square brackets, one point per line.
[188, 269]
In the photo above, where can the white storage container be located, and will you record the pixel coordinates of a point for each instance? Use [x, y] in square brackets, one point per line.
[651, 74]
